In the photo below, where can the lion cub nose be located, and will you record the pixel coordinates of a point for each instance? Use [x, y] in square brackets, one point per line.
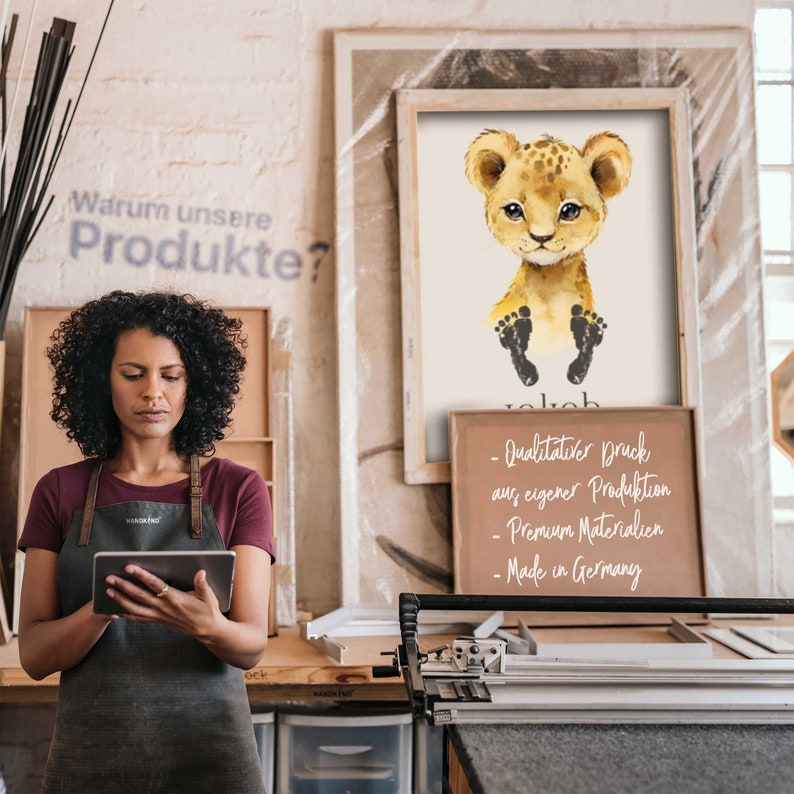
[541, 238]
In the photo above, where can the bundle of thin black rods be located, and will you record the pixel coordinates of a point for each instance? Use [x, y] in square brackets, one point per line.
[24, 205]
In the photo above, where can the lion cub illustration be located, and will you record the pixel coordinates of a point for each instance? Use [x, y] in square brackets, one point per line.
[546, 202]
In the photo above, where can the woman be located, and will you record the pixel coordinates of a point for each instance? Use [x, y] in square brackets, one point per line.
[153, 698]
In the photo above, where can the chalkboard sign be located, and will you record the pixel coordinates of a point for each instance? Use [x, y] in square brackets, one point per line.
[596, 501]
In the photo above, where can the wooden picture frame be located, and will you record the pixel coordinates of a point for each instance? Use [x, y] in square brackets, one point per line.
[781, 385]
[6, 599]
[252, 439]
[453, 271]
[395, 536]
[577, 502]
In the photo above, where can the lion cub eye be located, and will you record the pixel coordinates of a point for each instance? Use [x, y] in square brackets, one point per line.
[514, 211]
[570, 211]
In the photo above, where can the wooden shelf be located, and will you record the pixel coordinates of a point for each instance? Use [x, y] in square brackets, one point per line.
[43, 445]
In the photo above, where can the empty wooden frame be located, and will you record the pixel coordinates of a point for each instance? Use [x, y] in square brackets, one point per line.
[44, 446]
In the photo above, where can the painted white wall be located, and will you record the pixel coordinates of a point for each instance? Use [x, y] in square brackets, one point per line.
[229, 106]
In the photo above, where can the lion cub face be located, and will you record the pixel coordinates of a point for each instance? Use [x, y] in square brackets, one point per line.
[546, 200]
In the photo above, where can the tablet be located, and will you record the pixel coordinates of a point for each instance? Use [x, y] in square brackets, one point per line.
[177, 568]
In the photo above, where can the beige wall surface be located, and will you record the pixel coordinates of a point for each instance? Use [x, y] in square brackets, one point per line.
[202, 158]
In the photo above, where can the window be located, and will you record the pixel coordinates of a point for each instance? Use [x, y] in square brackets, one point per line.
[774, 64]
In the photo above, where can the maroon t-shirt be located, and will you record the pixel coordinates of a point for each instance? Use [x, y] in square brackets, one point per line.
[238, 496]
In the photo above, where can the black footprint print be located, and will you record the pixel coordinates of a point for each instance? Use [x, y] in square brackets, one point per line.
[588, 332]
[514, 332]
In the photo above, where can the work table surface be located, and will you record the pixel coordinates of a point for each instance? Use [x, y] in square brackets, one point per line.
[635, 758]
[621, 755]
[294, 669]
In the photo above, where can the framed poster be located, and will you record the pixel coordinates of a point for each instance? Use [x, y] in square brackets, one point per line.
[576, 502]
[396, 537]
[585, 297]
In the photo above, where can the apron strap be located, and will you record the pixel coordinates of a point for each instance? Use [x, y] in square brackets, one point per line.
[195, 498]
[90, 502]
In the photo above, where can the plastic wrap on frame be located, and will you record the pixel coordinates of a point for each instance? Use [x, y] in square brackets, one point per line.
[284, 508]
[397, 537]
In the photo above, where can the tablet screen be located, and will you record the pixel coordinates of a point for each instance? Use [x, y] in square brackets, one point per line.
[177, 568]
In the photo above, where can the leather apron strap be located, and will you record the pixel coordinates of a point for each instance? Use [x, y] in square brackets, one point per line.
[195, 498]
[90, 503]
[195, 501]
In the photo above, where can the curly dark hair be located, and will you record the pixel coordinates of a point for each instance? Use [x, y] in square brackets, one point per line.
[211, 344]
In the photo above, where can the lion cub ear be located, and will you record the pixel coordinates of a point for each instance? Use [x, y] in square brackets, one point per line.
[487, 157]
[609, 161]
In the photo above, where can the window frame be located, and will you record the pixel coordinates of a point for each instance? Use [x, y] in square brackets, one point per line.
[778, 264]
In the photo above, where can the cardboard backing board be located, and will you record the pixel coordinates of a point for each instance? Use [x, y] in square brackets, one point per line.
[596, 501]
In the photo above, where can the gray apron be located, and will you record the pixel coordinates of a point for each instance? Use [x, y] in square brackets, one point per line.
[149, 709]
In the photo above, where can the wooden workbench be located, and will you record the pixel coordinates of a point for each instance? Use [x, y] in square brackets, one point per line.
[295, 670]
[292, 670]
